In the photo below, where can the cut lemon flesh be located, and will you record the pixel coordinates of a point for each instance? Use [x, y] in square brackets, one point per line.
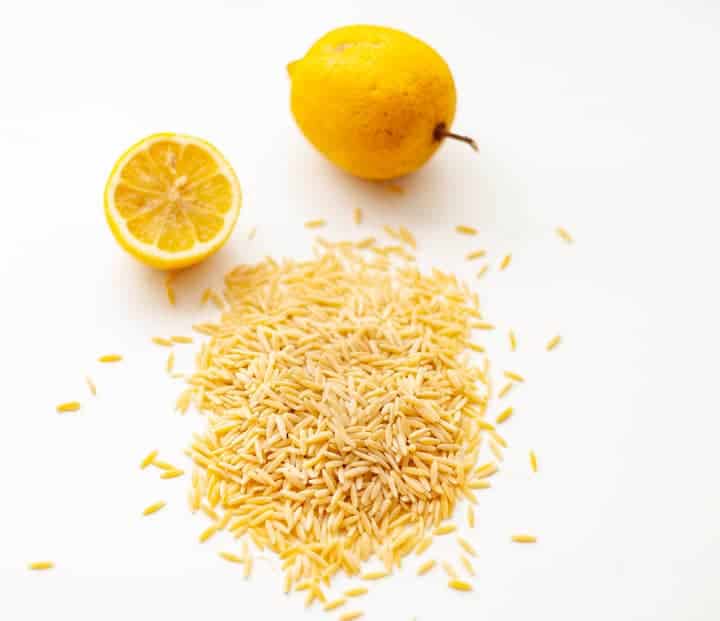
[172, 200]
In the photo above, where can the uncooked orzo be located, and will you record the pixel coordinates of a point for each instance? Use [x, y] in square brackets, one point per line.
[346, 414]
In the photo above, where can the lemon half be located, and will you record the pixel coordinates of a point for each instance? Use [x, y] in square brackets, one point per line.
[172, 200]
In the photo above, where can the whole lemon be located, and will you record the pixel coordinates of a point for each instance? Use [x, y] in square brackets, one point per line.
[376, 101]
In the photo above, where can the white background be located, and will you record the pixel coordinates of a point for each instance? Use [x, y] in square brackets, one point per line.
[598, 116]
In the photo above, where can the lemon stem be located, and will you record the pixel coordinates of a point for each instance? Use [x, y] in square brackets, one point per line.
[441, 132]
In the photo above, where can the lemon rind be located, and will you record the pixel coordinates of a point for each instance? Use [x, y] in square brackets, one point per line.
[149, 253]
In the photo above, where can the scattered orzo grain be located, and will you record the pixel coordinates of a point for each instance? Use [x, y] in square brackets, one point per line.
[515, 377]
[154, 508]
[163, 465]
[148, 459]
[423, 545]
[317, 592]
[356, 592]
[181, 339]
[170, 363]
[230, 557]
[449, 570]
[350, 616]
[389, 251]
[482, 325]
[91, 386]
[475, 254]
[314, 592]
[288, 584]
[315, 224]
[357, 215]
[480, 484]
[251, 233]
[110, 358]
[346, 414]
[162, 341]
[214, 517]
[466, 230]
[445, 529]
[465, 545]
[496, 437]
[171, 474]
[247, 569]
[169, 288]
[375, 575]
[504, 415]
[467, 565]
[553, 343]
[505, 261]
[487, 426]
[41, 565]
[207, 533]
[470, 516]
[505, 390]
[68, 406]
[183, 401]
[524, 538]
[460, 585]
[564, 235]
[486, 470]
[336, 603]
[426, 567]
[533, 461]
[205, 296]
[513, 340]
[482, 271]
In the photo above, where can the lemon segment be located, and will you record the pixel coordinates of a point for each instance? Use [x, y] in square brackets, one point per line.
[172, 200]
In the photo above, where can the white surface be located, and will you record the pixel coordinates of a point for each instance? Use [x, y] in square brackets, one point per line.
[601, 117]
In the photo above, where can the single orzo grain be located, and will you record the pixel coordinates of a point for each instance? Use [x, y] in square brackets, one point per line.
[148, 459]
[68, 406]
[564, 235]
[515, 377]
[533, 461]
[110, 358]
[553, 342]
[154, 508]
[460, 585]
[524, 538]
[475, 254]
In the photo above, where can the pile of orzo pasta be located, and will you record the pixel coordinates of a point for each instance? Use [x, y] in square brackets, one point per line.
[345, 408]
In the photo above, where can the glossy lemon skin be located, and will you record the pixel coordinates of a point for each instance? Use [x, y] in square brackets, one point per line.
[370, 99]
